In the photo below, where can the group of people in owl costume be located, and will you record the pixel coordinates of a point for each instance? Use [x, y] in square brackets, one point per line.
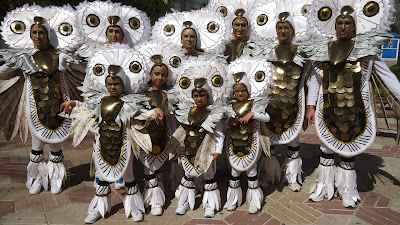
[228, 78]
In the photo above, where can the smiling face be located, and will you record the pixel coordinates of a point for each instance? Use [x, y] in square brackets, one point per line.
[159, 75]
[114, 34]
[200, 98]
[345, 28]
[284, 32]
[114, 86]
[189, 39]
[240, 27]
[39, 37]
[240, 92]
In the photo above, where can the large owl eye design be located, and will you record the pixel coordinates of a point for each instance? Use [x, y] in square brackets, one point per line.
[259, 76]
[184, 82]
[262, 20]
[93, 20]
[65, 29]
[169, 29]
[222, 10]
[175, 61]
[17, 27]
[98, 70]
[371, 9]
[324, 14]
[134, 23]
[304, 10]
[217, 81]
[213, 27]
[135, 67]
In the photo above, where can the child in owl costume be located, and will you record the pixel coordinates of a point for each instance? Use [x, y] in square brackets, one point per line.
[116, 74]
[340, 101]
[198, 141]
[36, 78]
[245, 138]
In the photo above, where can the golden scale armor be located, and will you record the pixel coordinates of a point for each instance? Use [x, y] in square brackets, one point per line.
[242, 135]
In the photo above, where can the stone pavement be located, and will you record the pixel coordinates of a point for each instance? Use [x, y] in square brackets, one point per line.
[378, 172]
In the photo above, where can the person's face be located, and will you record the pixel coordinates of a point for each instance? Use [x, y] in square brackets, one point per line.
[200, 98]
[284, 32]
[114, 86]
[189, 39]
[159, 75]
[345, 29]
[240, 92]
[39, 37]
[114, 34]
[240, 27]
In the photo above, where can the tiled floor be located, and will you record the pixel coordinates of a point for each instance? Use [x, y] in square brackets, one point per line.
[378, 181]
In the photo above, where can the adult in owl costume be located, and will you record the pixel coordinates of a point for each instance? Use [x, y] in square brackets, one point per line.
[244, 140]
[283, 25]
[340, 101]
[36, 78]
[117, 74]
[159, 123]
[196, 32]
[198, 141]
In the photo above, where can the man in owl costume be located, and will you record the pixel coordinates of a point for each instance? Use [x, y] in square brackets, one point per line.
[199, 140]
[340, 101]
[36, 79]
[109, 105]
[287, 20]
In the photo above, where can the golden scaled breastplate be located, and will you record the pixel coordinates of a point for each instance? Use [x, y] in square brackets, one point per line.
[194, 132]
[242, 134]
[157, 130]
[283, 108]
[111, 135]
[234, 50]
[47, 91]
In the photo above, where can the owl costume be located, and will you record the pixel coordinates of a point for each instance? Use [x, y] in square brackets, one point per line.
[245, 142]
[287, 107]
[158, 131]
[200, 132]
[344, 116]
[109, 118]
[34, 84]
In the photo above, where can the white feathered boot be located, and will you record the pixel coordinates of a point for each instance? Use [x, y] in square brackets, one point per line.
[293, 169]
[234, 195]
[185, 193]
[324, 185]
[346, 182]
[100, 204]
[269, 170]
[211, 198]
[254, 195]
[57, 172]
[133, 202]
[37, 173]
[153, 195]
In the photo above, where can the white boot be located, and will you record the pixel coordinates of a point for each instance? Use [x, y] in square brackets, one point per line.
[346, 183]
[100, 204]
[293, 169]
[211, 198]
[57, 171]
[133, 202]
[324, 185]
[153, 195]
[254, 195]
[37, 173]
[234, 195]
[185, 193]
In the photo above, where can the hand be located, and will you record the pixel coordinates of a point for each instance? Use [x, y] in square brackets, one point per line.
[245, 119]
[158, 114]
[216, 155]
[234, 122]
[310, 115]
[67, 106]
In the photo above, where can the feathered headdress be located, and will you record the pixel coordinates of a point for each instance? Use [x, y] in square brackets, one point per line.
[95, 17]
[210, 28]
[121, 61]
[60, 23]
[266, 14]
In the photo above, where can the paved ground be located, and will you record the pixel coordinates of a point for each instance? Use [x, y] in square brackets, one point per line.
[378, 181]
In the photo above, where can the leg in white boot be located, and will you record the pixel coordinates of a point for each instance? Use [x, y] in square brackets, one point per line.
[57, 171]
[100, 204]
[346, 182]
[133, 202]
[185, 193]
[211, 198]
[254, 194]
[153, 193]
[292, 166]
[234, 194]
[37, 175]
[324, 187]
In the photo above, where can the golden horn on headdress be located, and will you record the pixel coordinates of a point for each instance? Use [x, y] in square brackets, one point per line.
[199, 82]
[113, 20]
[238, 76]
[39, 20]
[346, 10]
[283, 16]
[157, 59]
[113, 70]
[187, 24]
[240, 12]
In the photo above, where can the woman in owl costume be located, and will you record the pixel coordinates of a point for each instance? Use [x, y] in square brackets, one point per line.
[109, 105]
[343, 114]
[35, 80]
[196, 32]
[285, 22]
[159, 123]
[245, 140]
[198, 141]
